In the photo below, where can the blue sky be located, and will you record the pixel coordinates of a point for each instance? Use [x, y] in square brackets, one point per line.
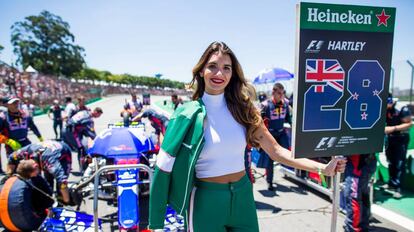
[168, 37]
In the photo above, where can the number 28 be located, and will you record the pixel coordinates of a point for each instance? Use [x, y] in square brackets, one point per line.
[363, 107]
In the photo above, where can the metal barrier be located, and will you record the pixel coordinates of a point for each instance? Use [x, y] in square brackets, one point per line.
[321, 189]
[112, 168]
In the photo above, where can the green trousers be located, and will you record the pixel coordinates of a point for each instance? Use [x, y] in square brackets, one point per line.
[223, 207]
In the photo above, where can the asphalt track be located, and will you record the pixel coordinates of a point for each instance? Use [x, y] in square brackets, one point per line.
[292, 207]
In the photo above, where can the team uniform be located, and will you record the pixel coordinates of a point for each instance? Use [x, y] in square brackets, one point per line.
[16, 126]
[23, 207]
[70, 109]
[396, 151]
[275, 114]
[358, 172]
[135, 107]
[55, 160]
[56, 110]
[79, 125]
[158, 122]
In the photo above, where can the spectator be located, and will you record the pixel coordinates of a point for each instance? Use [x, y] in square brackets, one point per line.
[28, 108]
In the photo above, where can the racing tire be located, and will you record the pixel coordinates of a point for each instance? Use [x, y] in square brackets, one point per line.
[16, 210]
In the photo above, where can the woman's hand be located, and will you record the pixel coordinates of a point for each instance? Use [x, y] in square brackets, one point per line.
[335, 165]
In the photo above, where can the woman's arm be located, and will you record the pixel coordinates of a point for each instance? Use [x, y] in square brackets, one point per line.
[284, 156]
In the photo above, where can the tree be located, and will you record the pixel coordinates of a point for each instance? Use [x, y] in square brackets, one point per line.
[1, 48]
[45, 42]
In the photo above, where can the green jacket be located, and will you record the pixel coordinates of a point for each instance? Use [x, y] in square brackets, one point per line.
[175, 170]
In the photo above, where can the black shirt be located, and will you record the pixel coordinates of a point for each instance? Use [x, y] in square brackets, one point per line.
[395, 117]
[57, 112]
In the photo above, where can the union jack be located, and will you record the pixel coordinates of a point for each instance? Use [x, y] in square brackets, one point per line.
[326, 71]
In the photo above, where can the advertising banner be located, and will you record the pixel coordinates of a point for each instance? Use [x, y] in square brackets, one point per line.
[343, 63]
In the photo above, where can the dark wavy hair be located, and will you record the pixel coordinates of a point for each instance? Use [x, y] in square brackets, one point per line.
[238, 93]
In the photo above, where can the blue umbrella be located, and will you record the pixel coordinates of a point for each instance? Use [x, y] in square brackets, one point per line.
[272, 75]
[115, 142]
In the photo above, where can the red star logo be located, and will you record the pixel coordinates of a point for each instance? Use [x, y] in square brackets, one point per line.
[382, 18]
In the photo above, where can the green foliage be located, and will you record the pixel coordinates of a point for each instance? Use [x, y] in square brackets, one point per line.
[1, 48]
[45, 42]
[96, 75]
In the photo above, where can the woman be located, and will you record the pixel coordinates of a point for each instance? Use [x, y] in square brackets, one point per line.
[200, 167]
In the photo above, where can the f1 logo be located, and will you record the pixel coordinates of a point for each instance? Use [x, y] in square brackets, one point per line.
[315, 45]
[326, 142]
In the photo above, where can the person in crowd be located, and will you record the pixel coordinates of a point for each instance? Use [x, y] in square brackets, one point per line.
[15, 125]
[53, 158]
[200, 169]
[158, 121]
[275, 114]
[82, 104]
[3, 110]
[79, 125]
[175, 101]
[56, 111]
[399, 122]
[135, 105]
[70, 108]
[28, 108]
[358, 172]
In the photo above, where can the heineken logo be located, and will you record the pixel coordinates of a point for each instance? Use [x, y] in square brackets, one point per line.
[349, 17]
[314, 15]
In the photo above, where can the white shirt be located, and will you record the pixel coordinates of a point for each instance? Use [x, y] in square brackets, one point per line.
[225, 140]
[69, 109]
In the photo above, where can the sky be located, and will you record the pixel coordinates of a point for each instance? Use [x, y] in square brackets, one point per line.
[168, 37]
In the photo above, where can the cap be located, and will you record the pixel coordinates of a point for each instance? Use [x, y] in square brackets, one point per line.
[55, 101]
[390, 99]
[12, 100]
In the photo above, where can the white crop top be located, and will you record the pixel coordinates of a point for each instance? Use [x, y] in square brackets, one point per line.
[225, 140]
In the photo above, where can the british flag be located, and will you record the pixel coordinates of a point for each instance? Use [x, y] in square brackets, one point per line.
[325, 71]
